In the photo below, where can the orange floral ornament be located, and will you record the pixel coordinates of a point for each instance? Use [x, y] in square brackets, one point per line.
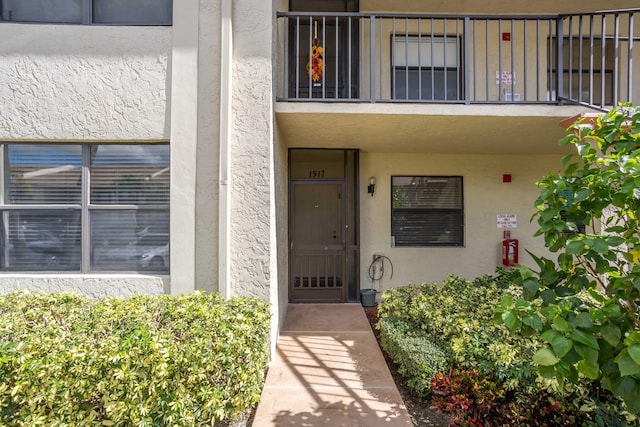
[316, 62]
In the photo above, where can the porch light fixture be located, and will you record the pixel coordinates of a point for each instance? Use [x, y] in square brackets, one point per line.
[371, 188]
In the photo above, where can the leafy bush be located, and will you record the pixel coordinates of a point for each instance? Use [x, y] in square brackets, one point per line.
[598, 187]
[458, 316]
[418, 358]
[488, 377]
[191, 360]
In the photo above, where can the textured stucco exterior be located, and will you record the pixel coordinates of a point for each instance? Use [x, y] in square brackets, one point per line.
[485, 197]
[92, 286]
[101, 84]
[65, 82]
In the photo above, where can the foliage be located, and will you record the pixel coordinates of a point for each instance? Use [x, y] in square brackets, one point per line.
[488, 377]
[418, 357]
[191, 360]
[585, 305]
[467, 395]
[458, 316]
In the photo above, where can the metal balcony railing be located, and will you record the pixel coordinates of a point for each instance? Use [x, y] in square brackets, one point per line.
[465, 59]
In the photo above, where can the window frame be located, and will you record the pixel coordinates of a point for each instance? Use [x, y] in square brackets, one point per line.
[84, 208]
[430, 39]
[459, 212]
[87, 18]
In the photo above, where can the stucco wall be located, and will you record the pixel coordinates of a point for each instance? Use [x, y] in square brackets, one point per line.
[92, 286]
[65, 82]
[207, 158]
[253, 247]
[87, 83]
[485, 196]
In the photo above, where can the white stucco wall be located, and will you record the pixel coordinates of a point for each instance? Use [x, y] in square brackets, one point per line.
[92, 286]
[73, 82]
[63, 83]
[253, 247]
[485, 196]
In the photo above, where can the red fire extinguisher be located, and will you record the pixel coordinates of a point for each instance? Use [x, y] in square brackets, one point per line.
[509, 252]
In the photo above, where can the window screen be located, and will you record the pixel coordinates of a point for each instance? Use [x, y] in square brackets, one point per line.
[119, 194]
[427, 211]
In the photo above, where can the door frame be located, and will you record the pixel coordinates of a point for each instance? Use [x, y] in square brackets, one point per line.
[350, 222]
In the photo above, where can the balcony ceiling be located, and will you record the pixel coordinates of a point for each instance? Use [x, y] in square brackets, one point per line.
[420, 128]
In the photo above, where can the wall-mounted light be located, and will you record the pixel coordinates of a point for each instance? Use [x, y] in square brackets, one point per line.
[371, 188]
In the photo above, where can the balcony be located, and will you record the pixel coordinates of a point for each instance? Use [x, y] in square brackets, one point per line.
[584, 59]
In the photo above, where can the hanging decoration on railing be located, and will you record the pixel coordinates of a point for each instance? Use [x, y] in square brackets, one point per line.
[316, 62]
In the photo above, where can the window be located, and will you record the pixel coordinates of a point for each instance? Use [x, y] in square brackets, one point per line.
[427, 211]
[426, 68]
[117, 12]
[84, 208]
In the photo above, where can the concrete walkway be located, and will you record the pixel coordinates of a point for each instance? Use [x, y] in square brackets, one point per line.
[329, 371]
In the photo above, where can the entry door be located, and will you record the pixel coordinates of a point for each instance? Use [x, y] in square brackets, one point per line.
[323, 241]
[317, 242]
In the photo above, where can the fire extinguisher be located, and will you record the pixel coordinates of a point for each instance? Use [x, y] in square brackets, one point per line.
[509, 252]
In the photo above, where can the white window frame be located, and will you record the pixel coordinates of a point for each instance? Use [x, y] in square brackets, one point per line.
[430, 53]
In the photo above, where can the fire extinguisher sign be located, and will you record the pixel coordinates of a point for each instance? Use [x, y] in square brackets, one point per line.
[507, 221]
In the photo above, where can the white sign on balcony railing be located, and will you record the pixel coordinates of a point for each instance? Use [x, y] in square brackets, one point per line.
[505, 77]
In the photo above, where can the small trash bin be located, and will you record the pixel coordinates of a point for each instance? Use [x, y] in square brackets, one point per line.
[368, 297]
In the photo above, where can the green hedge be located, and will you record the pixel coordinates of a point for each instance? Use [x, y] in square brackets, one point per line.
[191, 360]
[418, 358]
[458, 316]
[486, 376]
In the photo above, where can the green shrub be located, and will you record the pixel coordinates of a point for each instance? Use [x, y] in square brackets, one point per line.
[458, 316]
[492, 380]
[191, 360]
[418, 358]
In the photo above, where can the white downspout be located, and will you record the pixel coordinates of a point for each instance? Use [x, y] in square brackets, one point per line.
[224, 190]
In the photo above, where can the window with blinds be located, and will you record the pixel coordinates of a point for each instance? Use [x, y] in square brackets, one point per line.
[426, 68]
[84, 208]
[427, 211]
[120, 12]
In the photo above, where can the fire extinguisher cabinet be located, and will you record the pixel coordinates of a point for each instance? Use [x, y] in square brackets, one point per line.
[509, 252]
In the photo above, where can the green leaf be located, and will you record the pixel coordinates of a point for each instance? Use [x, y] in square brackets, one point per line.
[600, 246]
[550, 335]
[634, 352]
[586, 353]
[582, 320]
[614, 240]
[626, 364]
[560, 324]
[611, 334]
[533, 322]
[581, 195]
[575, 247]
[561, 345]
[547, 371]
[509, 319]
[531, 287]
[545, 357]
[585, 338]
[589, 370]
